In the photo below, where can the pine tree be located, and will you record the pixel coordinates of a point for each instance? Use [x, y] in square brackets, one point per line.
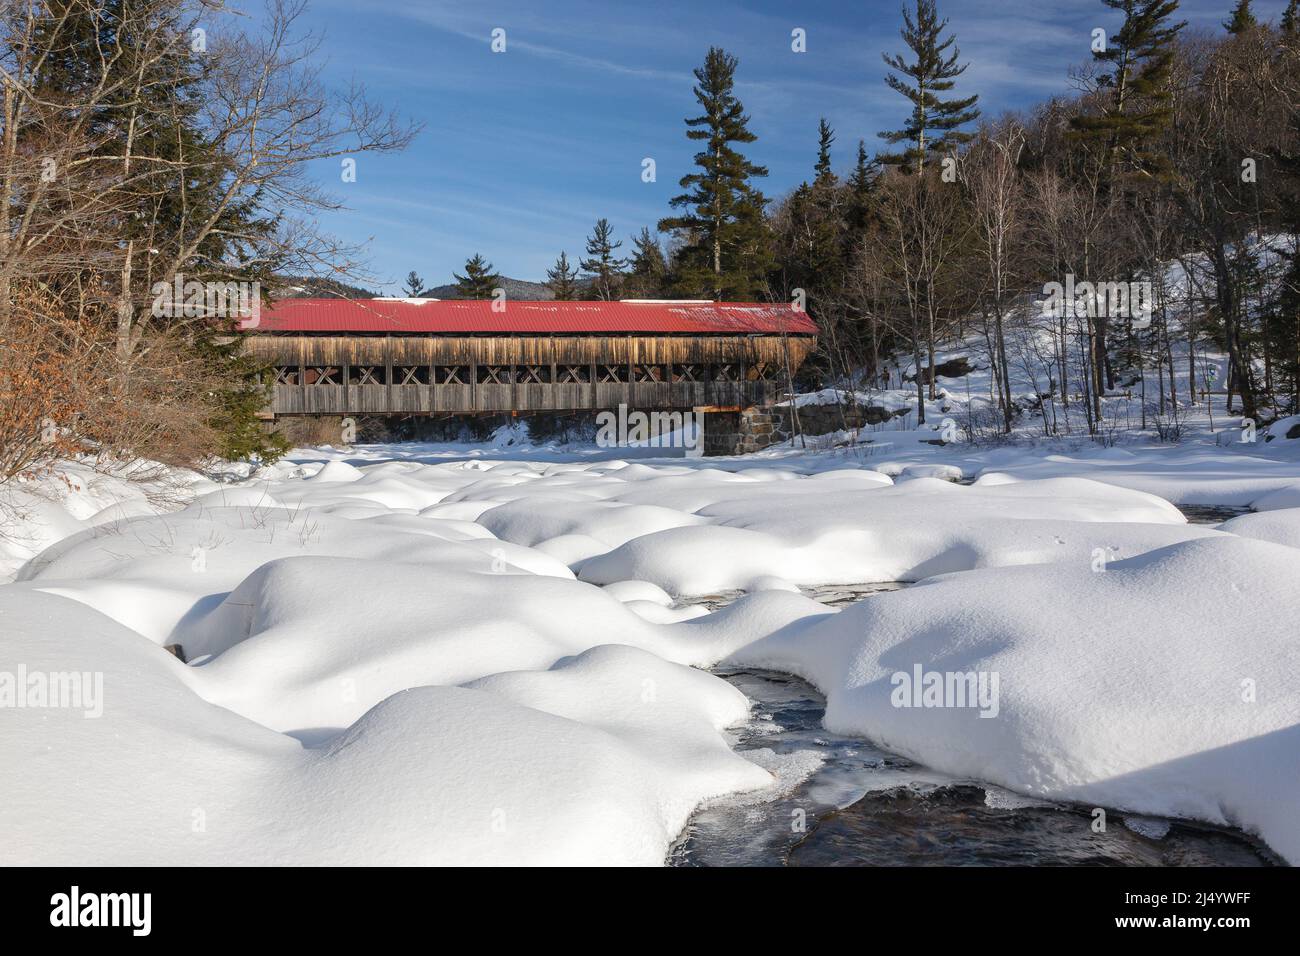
[601, 265]
[810, 226]
[563, 279]
[819, 210]
[1141, 57]
[1282, 321]
[649, 269]
[822, 168]
[414, 284]
[238, 404]
[1291, 19]
[479, 281]
[1242, 18]
[726, 249]
[1281, 328]
[175, 179]
[172, 181]
[861, 189]
[933, 127]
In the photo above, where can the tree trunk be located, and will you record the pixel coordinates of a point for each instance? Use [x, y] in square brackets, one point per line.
[1006, 369]
[125, 310]
[1225, 293]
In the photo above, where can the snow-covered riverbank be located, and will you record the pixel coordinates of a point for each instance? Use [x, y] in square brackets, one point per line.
[452, 654]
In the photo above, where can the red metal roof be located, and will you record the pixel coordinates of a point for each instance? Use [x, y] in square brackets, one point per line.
[463, 317]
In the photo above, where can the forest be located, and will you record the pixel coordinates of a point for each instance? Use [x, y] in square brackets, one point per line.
[1174, 169]
[139, 150]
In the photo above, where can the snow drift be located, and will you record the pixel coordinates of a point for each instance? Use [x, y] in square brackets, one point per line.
[1164, 684]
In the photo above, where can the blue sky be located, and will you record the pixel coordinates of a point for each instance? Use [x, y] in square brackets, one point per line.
[523, 150]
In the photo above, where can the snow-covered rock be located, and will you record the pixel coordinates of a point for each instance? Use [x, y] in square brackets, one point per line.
[906, 532]
[1284, 429]
[1281, 526]
[597, 761]
[1281, 498]
[1162, 685]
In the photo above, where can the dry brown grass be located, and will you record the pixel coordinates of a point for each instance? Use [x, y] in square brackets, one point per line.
[311, 431]
[65, 390]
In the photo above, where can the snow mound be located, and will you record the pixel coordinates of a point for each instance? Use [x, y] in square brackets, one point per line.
[1284, 429]
[1110, 691]
[37, 513]
[255, 496]
[906, 532]
[1282, 498]
[942, 472]
[611, 523]
[627, 591]
[337, 471]
[852, 474]
[295, 649]
[1280, 527]
[597, 761]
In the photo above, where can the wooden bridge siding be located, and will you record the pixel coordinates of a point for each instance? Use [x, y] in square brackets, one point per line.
[553, 351]
[450, 398]
[524, 350]
[492, 397]
[572, 396]
[523, 397]
[414, 399]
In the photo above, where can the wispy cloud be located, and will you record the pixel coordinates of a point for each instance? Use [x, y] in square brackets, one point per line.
[523, 151]
[520, 27]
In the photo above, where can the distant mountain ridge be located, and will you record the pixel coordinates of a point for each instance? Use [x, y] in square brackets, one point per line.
[520, 289]
[292, 287]
[297, 287]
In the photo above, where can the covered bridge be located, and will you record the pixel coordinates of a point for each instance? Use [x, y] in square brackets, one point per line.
[435, 357]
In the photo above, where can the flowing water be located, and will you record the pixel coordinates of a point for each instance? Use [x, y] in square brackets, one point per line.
[841, 801]
[1211, 514]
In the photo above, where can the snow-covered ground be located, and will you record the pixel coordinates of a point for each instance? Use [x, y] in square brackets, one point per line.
[476, 653]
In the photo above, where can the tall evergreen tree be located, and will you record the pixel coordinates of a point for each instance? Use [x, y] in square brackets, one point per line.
[1281, 317]
[810, 225]
[933, 128]
[414, 284]
[170, 181]
[861, 188]
[602, 265]
[726, 249]
[860, 213]
[647, 275]
[479, 281]
[1291, 18]
[1242, 18]
[1135, 92]
[824, 221]
[150, 128]
[1281, 329]
[563, 279]
[822, 169]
